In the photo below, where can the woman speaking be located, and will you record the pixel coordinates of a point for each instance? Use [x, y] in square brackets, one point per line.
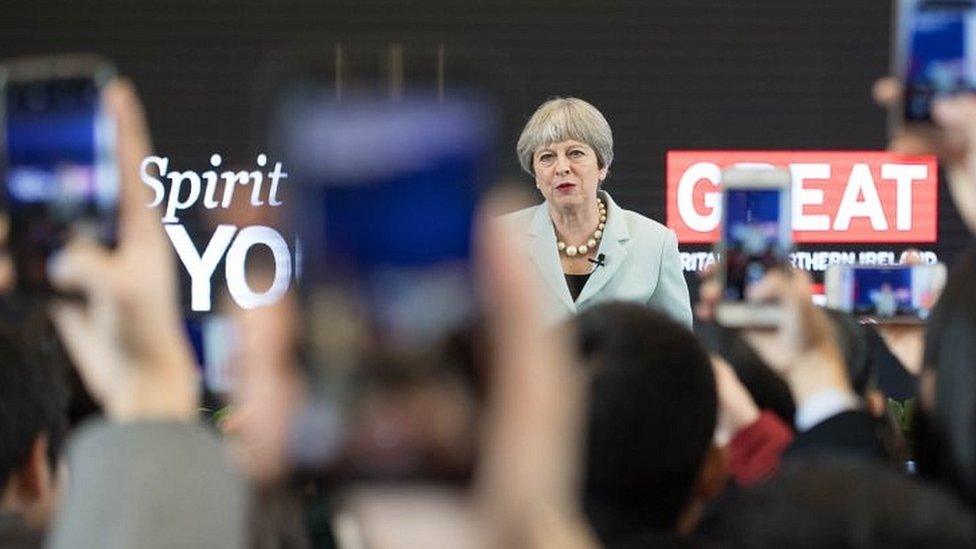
[587, 248]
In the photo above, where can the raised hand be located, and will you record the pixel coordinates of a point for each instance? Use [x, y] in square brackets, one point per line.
[127, 339]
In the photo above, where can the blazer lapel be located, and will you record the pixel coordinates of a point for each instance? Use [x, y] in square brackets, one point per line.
[543, 251]
[615, 233]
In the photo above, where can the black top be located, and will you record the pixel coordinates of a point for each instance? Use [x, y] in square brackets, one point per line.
[576, 283]
[16, 534]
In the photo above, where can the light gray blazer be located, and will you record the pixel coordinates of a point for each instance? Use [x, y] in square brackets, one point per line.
[640, 255]
[151, 485]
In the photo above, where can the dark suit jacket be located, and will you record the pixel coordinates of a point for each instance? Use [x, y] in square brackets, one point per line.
[852, 433]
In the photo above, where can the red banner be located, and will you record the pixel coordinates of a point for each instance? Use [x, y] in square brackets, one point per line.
[847, 197]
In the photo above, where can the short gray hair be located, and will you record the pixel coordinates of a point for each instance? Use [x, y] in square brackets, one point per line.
[563, 118]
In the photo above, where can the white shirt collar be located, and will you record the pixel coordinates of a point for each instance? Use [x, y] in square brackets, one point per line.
[824, 405]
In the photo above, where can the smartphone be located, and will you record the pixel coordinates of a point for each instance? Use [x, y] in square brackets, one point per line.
[892, 294]
[756, 237]
[934, 54]
[387, 192]
[58, 159]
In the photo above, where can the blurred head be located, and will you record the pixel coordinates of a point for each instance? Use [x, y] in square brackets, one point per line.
[837, 502]
[567, 146]
[652, 414]
[946, 437]
[33, 421]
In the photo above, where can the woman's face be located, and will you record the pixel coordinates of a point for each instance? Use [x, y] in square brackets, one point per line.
[567, 173]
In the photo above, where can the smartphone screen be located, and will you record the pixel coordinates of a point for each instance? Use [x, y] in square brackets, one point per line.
[880, 294]
[939, 51]
[59, 171]
[389, 191]
[756, 236]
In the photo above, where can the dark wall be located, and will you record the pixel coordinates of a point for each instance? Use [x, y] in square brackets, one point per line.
[769, 74]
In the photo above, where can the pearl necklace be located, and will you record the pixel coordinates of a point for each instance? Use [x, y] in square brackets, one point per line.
[583, 249]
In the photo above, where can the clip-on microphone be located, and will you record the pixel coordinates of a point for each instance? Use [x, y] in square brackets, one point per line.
[599, 261]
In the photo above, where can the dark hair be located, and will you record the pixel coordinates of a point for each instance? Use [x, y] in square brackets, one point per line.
[652, 414]
[842, 502]
[33, 401]
[948, 450]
